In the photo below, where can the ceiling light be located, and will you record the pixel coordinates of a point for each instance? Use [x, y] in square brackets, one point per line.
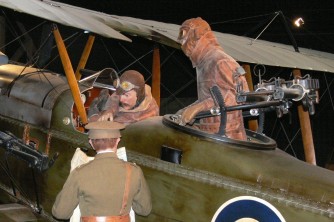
[299, 22]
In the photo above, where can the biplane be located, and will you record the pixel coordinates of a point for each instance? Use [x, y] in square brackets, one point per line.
[191, 174]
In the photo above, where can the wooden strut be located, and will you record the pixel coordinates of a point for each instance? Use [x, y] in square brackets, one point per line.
[252, 124]
[306, 130]
[84, 56]
[156, 74]
[70, 75]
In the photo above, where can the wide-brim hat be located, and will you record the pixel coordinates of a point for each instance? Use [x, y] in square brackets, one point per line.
[104, 129]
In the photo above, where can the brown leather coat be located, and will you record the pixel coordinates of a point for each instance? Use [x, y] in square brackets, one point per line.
[215, 67]
[147, 108]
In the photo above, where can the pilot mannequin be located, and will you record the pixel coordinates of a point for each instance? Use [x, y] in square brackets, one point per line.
[132, 102]
[214, 68]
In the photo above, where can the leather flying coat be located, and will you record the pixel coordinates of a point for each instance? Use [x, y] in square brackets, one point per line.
[215, 67]
[147, 108]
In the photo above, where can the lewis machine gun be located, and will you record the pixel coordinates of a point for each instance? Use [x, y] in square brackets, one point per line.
[275, 94]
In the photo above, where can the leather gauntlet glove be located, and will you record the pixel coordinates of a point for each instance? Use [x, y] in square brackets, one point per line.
[190, 112]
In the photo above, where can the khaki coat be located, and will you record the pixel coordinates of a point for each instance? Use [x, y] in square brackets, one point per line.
[98, 187]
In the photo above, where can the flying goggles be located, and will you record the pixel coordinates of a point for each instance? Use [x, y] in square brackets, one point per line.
[125, 85]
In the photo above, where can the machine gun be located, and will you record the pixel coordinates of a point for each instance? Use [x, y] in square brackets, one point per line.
[26, 152]
[276, 94]
[277, 89]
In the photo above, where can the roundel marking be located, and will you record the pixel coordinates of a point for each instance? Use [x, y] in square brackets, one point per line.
[247, 209]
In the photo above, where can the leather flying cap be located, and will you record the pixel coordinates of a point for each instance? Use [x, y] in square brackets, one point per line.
[191, 31]
[129, 80]
[104, 129]
[199, 26]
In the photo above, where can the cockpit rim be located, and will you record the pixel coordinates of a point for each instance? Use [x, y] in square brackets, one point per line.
[255, 141]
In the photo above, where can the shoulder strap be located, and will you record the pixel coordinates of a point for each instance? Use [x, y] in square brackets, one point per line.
[126, 188]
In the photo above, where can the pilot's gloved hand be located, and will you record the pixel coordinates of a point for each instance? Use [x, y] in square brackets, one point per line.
[97, 105]
[190, 112]
[106, 115]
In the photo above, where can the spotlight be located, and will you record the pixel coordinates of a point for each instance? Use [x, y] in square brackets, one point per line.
[299, 22]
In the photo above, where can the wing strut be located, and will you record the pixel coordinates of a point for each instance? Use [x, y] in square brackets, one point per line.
[252, 124]
[305, 127]
[84, 56]
[156, 75]
[70, 75]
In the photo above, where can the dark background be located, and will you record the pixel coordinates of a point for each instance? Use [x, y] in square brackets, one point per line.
[178, 83]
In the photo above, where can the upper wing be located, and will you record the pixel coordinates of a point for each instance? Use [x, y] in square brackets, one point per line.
[242, 49]
[65, 14]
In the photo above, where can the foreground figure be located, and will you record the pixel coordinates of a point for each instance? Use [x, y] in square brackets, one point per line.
[132, 101]
[105, 188]
[213, 67]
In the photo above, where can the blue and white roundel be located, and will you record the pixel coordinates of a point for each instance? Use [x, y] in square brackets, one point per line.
[247, 208]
